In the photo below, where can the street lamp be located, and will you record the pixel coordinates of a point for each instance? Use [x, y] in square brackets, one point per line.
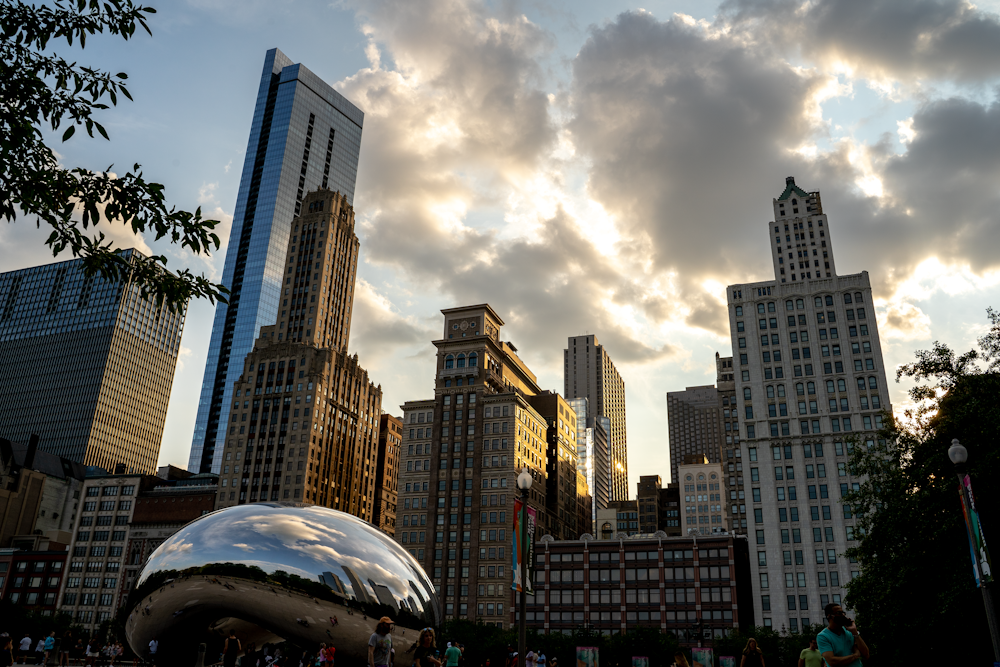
[959, 455]
[524, 484]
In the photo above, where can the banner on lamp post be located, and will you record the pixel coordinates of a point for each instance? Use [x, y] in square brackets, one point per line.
[524, 534]
[977, 541]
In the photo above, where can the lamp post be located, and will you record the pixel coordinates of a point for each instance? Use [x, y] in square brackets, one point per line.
[959, 455]
[524, 484]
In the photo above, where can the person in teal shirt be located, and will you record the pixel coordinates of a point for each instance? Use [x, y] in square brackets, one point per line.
[50, 645]
[452, 655]
[840, 642]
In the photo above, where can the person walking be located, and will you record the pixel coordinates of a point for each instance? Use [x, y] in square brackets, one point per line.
[231, 650]
[531, 659]
[840, 641]
[7, 652]
[811, 657]
[380, 644]
[65, 646]
[426, 648]
[452, 655]
[540, 661]
[752, 655]
[154, 647]
[50, 645]
[25, 647]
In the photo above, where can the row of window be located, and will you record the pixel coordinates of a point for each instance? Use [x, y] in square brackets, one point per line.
[32, 582]
[106, 505]
[94, 491]
[88, 599]
[37, 566]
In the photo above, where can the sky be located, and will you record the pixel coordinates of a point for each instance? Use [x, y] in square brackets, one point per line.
[587, 167]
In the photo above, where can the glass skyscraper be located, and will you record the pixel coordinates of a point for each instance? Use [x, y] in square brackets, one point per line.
[88, 365]
[304, 136]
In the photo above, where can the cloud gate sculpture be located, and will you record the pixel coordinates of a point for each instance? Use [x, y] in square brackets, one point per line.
[273, 571]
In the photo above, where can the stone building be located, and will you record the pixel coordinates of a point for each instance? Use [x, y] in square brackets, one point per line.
[390, 437]
[810, 384]
[305, 416]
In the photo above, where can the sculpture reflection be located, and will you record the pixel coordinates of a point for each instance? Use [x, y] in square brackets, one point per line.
[303, 573]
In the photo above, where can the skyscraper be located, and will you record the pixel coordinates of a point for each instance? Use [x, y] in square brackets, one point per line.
[88, 364]
[304, 136]
[811, 384]
[592, 433]
[590, 373]
[390, 436]
[461, 454]
[301, 403]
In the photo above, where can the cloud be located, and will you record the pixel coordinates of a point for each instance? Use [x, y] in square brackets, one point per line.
[877, 39]
[904, 321]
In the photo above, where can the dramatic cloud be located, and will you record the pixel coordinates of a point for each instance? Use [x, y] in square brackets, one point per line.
[878, 39]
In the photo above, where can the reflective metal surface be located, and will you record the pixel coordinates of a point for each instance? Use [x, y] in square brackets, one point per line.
[303, 573]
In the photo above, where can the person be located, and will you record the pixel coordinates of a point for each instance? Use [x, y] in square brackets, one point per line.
[811, 657]
[7, 651]
[680, 660]
[231, 650]
[752, 655]
[452, 655]
[80, 650]
[154, 646]
[380, 644]
[64, 648]
[50, 645]
[25, 648]
[531, 659]
[93, 650]
[511, 657]
[40, 650]
[424, 655]
[840, 641]
[541, 659]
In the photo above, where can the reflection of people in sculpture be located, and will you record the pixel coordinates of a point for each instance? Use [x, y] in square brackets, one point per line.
[380, 644]
[231, 649]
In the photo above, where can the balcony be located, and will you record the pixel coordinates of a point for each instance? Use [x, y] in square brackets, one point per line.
[468, 371]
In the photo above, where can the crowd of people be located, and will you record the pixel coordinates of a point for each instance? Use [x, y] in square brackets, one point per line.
[64, 651]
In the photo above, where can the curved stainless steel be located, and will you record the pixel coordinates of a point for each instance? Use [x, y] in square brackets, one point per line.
[303, 573]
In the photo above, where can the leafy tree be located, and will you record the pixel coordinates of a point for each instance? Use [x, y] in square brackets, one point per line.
[916, 595]
[40, 88]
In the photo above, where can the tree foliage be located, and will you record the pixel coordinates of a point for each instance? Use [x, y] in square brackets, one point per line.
[39, 89]
[916, 594]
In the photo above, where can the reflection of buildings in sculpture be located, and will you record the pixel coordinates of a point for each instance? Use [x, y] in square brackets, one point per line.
[360, 594]
[384, 595]
[334, 582]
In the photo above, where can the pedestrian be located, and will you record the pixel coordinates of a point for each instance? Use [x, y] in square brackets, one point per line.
[541, 659]
[424, 656]
[452, 655]
[380, 644]
[231, 650]
[154, 647]
[93, 650]
[841, 639]
[79, 650]
[531, 659]
[811, 657]
[553, 662]
[321, 655]
[511, 657]
[64, 648]
[40, 650]
[7, 652]
[250, 657]
[25, 647]
[752, 655]
[50, 645]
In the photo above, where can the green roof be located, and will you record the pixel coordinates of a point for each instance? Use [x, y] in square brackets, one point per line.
[791, 188]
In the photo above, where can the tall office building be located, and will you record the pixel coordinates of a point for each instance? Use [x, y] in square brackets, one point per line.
[565, 499]
[592, 434]
[461, 454]
[304, 136]
[589, 372]
[811, 383]
[89, 364]
[390, 437]
[301, 404]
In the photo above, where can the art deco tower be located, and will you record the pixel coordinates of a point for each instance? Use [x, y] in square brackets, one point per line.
[304, 420]
[304, 135]
[810, 384]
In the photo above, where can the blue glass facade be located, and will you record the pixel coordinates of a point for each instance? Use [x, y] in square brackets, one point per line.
[304, 136]
[88, 363]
